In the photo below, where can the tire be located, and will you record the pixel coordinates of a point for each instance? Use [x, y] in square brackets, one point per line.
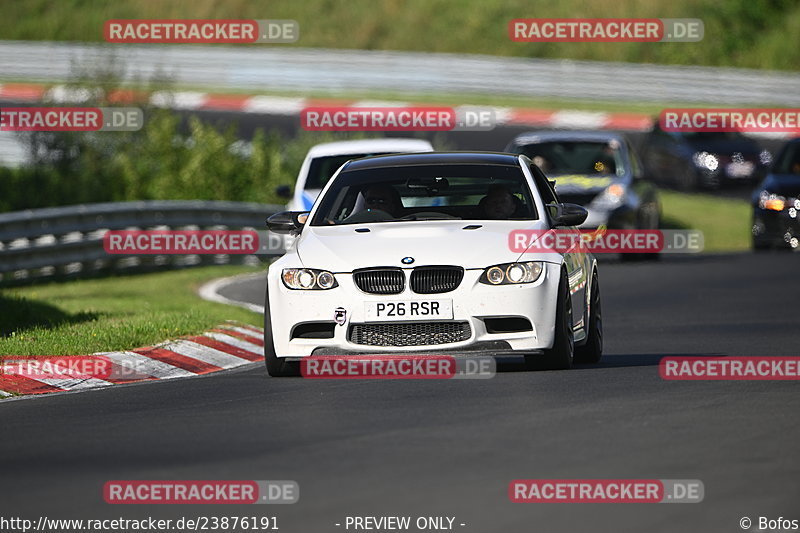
[687, 181]
[654, 223]
[560, 356]
[649, 218]
[592, 351]
[710, 182]
[276, 366]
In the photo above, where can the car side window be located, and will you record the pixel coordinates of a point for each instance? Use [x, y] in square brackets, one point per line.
[546, 190]
[636, 165]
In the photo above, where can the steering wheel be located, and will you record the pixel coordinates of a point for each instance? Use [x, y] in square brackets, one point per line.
[368, 215]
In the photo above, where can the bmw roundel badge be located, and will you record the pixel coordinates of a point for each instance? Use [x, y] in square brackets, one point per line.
[407, 260]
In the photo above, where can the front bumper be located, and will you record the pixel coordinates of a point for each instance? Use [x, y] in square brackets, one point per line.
[776, 228]
[474, 303]
[623, 217]
[723, 175]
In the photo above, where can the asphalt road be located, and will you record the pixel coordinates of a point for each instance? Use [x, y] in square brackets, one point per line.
[450, 448]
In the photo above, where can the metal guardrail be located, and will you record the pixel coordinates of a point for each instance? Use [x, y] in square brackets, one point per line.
[267, 68]
[68, 241]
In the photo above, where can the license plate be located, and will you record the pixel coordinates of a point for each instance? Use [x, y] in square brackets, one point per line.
[408, 310]
[740, 170]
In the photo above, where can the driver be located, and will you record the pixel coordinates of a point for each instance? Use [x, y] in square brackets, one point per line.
[498, 204]
[542, 163]
[384, 198]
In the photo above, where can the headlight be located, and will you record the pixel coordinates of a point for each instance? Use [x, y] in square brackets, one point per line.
[773, 202]
[611, 197]
[495, 275]
[325, 280]
[706, 161]
[512, 273]
[308, 279]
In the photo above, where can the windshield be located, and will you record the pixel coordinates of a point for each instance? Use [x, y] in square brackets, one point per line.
[322, 169]
[712, 136]
[789, 162]
[590, 158]
[427, 192]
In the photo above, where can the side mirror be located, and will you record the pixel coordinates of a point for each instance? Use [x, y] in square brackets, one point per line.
[287, 222]
[283, 191]
[567, 214]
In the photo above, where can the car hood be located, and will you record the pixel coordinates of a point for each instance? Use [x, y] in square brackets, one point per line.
[783, 184]
[343, 249]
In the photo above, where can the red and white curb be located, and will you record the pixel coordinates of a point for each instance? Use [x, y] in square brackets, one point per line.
[229, 346]
[292, 106]
[282, 105]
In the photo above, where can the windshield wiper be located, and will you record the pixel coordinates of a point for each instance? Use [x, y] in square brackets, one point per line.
[416, 217]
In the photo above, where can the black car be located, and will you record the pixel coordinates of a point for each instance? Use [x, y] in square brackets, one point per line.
[598, 170]
[703, 160]
[776, 202]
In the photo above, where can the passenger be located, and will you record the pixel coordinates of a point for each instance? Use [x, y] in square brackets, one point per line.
[605, 163]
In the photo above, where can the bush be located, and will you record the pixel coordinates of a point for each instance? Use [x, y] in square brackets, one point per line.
[165, 160]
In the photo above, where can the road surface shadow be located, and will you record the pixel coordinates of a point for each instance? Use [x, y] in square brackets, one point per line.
[511, 364]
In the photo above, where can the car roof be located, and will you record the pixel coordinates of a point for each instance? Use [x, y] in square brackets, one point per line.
[533, 137]
[435, 158]
[363, 146]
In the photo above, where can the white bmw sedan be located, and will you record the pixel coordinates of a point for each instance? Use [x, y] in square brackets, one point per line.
[410, 254]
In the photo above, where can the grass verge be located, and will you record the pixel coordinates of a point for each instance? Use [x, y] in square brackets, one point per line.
[725, 222]
[117, 313]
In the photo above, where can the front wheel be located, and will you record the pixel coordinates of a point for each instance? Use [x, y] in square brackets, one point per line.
[687, 180]
[592, 351]
[560, 356]
[276, 367]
